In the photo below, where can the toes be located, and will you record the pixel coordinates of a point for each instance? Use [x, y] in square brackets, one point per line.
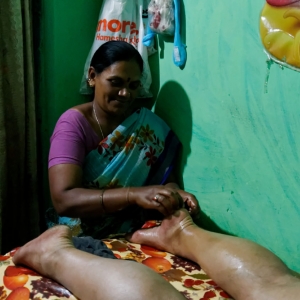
[139, 236]
[142, 236]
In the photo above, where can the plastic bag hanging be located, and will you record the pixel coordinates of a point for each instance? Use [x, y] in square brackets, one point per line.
[161, 16]
[121, 20]
[164, 19]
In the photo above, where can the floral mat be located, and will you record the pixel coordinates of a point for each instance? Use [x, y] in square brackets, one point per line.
[19, 283]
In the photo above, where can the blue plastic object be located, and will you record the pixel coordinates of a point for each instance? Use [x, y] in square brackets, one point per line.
[179, 51]
[147, 39]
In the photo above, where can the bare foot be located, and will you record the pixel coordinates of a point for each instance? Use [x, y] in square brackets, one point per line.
[45, 248]
[166, 236]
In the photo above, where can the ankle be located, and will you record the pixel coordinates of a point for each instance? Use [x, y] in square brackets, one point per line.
[50, 263]
[183, 238]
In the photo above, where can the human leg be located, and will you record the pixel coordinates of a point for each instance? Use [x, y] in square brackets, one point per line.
[88, 276]
[244, 269]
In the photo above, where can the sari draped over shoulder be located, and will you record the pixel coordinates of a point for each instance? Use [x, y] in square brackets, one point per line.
[141, 151]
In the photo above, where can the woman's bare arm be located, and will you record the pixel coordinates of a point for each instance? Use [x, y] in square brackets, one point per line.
[71, 199]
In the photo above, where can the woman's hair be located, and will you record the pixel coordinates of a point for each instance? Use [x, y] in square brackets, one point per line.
[114, 51]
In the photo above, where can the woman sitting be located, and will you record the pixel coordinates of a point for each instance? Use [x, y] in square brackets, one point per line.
[110, 164]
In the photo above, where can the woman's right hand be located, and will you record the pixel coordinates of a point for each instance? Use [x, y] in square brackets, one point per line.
[164, 199]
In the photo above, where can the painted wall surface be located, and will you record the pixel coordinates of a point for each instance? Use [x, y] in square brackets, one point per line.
[241, 143]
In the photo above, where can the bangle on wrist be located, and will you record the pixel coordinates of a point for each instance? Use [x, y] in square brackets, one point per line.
[101, 199]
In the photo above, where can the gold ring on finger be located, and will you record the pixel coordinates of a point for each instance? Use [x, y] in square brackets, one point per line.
[158, 197]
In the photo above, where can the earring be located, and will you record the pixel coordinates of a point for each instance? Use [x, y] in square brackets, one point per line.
[91, 84]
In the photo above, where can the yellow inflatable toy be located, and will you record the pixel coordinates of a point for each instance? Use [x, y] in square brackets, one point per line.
[280, 31]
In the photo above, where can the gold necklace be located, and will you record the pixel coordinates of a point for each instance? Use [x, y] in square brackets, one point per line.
[97, 120]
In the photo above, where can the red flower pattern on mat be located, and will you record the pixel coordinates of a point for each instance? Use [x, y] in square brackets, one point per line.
[225, 295]
[189, 283]
[158, 264]
[21, 293]
[152, 251]
[47, 287]
[209, 295]
[4, 257]
[186, 264]
[15, 271]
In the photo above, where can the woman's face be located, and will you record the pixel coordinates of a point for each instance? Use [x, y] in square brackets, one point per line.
[117, 86]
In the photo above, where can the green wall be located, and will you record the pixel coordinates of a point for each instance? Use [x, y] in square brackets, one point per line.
[241, 147]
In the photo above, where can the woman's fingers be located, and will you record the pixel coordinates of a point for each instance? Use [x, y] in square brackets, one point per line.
[165, 200]
[165, 203]
[173, 196]
[170, 199]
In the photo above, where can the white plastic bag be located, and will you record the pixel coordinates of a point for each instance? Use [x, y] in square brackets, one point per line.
[161, 16]
[120, 20]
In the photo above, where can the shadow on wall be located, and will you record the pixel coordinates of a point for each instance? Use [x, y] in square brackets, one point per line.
[173, 106]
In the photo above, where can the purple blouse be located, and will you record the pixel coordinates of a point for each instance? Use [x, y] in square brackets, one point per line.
[72, 139]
